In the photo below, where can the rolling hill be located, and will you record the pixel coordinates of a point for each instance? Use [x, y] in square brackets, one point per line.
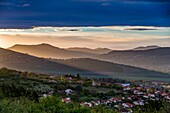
[84, 66]
[114, 70]
[24, 62]
[93, 51]
[49, 51]
[154, 59]
[146, 48]
[149, 57]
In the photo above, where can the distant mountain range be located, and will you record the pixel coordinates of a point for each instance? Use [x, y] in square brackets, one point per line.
[149, 57]
[84, 66]
[147, 47]
[49, 51]
[153, 58]
[24, 62]
[92, 51]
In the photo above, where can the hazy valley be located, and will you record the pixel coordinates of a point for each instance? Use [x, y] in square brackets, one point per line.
[127, 64]
[153, 59]
[150, 57]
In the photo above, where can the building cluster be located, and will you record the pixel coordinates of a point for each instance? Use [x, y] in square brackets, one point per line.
[135, 93]
[138, 95]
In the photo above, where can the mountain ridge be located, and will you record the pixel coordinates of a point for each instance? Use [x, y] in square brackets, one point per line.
[150, 57]
[88, 50]
[154, 59]
[146, 47]
[49, 51]
[84, 66]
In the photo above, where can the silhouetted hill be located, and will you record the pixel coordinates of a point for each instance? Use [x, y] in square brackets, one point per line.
[24, 62]
[146, 48]
[153, 59]
[49, 51]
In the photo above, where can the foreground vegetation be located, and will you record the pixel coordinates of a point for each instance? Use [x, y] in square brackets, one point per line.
[22, 92]
[50, 104]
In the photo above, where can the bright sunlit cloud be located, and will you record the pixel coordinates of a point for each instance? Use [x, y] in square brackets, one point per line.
[114, 37]
[2, 42]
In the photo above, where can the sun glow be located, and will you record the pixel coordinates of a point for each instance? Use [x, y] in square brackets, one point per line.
[116, 37]
[2, 43]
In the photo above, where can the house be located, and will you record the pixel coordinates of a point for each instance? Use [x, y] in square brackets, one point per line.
[152, 95]
[115, 100]
[103, 101]
[95, 83]
[66, 100]
[127, 105]
[69, 79]
[157, 92]
[116, 106]
[45, 95]
[139, 88]
[141, 103]
[137, 92]
[135, 103]
[86, 104]
[80, 82]
[129, 97]
[48, 94]
[68, 91]
[126, 111]
[126, 88]
[164, 94]
[95, 103]
[168, 98]
[145, 96]
[124, 85]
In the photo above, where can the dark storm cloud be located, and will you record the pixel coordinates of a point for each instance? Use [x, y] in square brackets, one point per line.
[7, 3]
[12, 3]
[26, 13]
[163, 1]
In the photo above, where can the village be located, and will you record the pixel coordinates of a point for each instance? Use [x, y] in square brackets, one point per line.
[113, 94]
[123, 96]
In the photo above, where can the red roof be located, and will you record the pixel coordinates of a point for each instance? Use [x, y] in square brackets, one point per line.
[126, 87]
[88, 105]
[129, 104]
[66, 99]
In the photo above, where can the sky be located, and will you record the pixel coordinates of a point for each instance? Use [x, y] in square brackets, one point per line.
[113, 37]
[85, 23]
[28, 13]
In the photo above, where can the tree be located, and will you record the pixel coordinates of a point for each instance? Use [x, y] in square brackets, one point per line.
[79, 88]
[78, 76]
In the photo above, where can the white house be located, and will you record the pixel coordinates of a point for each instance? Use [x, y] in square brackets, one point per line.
[68, 91]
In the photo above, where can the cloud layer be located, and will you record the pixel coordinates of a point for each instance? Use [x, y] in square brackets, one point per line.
[114, 37]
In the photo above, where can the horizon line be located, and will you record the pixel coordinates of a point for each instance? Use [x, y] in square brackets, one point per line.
[82, 47]
[46, 26]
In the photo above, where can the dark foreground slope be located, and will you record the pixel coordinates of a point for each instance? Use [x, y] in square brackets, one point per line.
[26, 62]
[88, 67]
